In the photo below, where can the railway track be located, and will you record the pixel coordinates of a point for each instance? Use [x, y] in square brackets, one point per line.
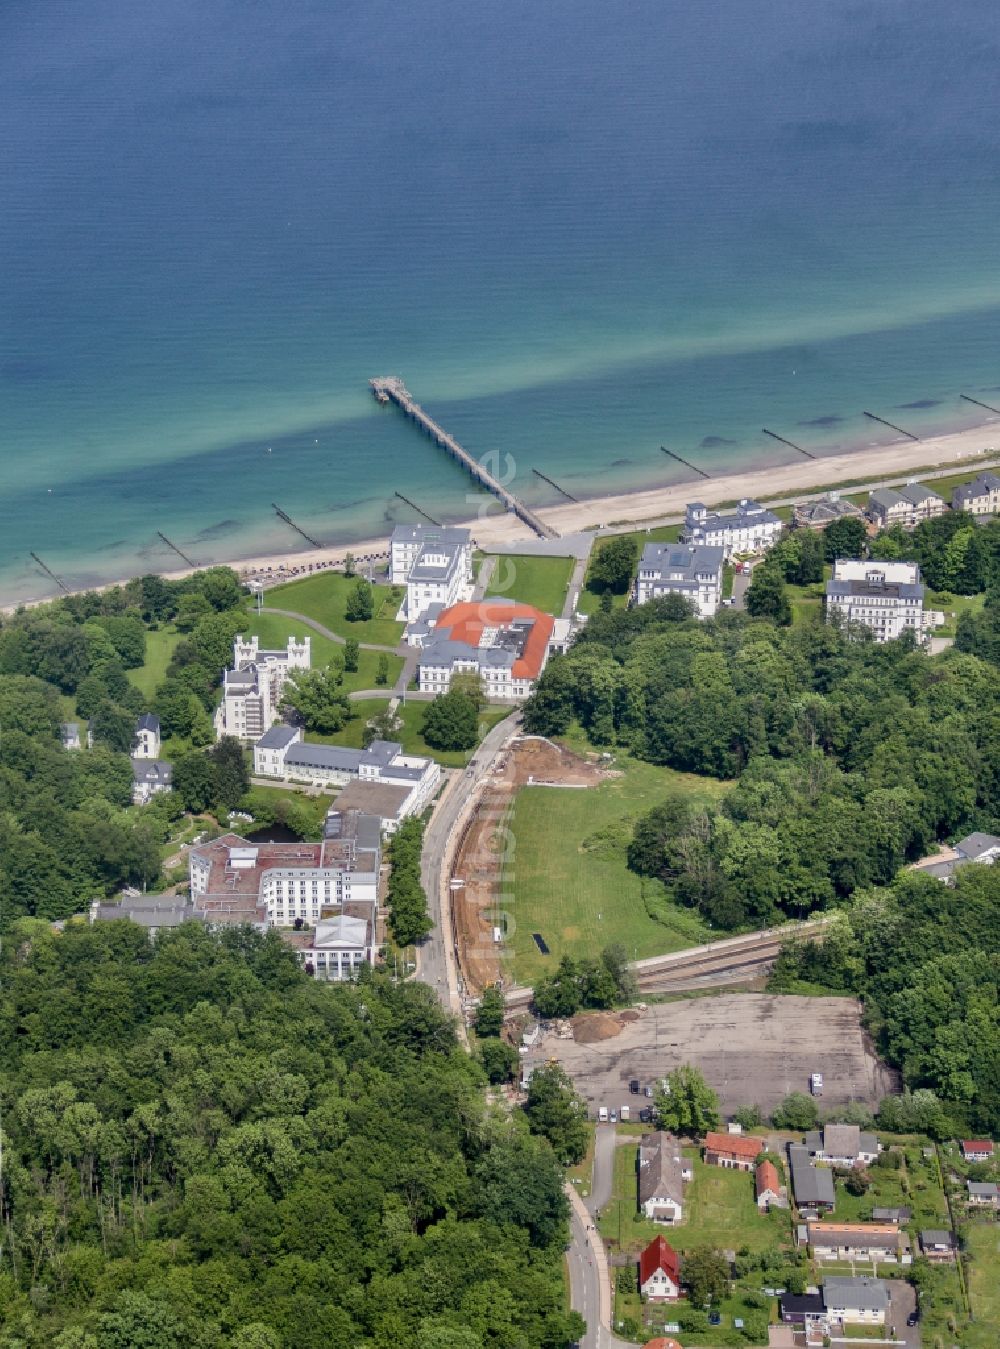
[723, 962]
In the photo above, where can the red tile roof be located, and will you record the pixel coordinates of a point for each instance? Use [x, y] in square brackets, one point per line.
[467, 621]
[977, 1145]
[659, 1254]
[767, 1178]
[735, 1145]
[664, 1342]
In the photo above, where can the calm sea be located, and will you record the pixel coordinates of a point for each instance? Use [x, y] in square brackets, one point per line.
[579, 230]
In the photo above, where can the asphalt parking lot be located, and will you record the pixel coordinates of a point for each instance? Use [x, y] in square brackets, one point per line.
[751, 1047]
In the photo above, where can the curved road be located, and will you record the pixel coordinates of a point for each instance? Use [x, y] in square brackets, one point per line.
[326, 632]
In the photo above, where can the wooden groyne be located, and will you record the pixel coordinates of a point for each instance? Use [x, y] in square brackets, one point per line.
[391, 389]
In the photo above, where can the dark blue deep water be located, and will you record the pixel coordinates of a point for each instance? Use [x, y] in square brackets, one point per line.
[578, 229]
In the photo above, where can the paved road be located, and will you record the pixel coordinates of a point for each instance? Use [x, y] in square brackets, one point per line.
[434, 965]
[902, 1300]
[603, 1178]
[586, 1257]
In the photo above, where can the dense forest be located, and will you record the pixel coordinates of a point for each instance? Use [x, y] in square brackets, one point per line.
[205, 1148]
[849, 758]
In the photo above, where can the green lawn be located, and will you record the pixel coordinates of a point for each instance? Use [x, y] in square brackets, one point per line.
[410, 737]
[952, 606]
[719, 1211]
[324, 597]
[541, 581]
[590, 600]
[274, 631]
[983, 1241]
[159, 649]
[568, 876]
[915, 1186]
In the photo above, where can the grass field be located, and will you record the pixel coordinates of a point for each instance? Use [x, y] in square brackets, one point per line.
[952, 606]
[159, 649]
[324, 598]
[541, 581]
[275, 630]
[410, 736]
[983, 1240]
[568, 874]
[719, 1210]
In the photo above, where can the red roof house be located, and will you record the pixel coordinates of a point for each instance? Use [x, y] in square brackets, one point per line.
[660, 1272]
[768, 1185]
[977, 1149]
[739, 1151]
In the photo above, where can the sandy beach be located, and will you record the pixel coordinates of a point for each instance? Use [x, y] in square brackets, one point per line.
[661, 505]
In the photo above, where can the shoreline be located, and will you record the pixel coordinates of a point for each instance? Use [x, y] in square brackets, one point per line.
[863, 466]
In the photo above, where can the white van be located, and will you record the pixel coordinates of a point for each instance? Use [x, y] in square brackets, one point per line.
[624, 1113]
[602, 1115]
[816, 1084]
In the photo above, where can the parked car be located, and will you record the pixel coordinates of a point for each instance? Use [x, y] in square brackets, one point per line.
[612, 1116]
[645, 1115]
[816, 1084]
[633, 1086]
[649, 1093]
[913, 1317]
[715, 1318]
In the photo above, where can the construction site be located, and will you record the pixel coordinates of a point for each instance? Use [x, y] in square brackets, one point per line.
[477, 872]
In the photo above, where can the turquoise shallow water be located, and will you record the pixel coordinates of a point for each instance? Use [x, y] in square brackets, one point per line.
[579, 231]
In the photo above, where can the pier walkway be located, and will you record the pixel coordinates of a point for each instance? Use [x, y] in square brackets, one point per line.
[391, 389]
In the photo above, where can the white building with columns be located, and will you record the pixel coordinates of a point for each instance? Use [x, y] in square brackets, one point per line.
[435, 565]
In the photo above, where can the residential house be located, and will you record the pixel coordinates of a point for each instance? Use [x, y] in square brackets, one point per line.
[983, 1194]
[812, 1185]
[147, 737]
[976, 1149]
[661, 1172]
[887, 598]
[857, 1301]
[979, 497]
[150, 777]
[660, 1272]
[738, 1151]
[770, 1191]
[938, 1245]
[748, 528]
[282, 754]
[859, 1241]
[907, 506]
[844, 1145]
[899, 1216]
[982, 848]
[434, 563]
[253, 689]
[692, 571]
[824, 510]
[503, 643]
[801, 1309]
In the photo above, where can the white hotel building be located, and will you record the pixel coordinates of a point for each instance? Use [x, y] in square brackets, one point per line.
[435, 565]
[748, 528]
[885, 597]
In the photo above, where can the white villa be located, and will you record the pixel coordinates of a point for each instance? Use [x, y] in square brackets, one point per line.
[503, 642]
[885, 597]
[252, 689]
[694, 571]
[979, 497]
[906, 506]
[748, 528]
[435, 565]
[147, 737]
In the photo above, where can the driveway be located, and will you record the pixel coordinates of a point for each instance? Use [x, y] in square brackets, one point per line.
[902, 1300]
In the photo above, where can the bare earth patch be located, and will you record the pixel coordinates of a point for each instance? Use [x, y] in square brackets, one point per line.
[589, 1028]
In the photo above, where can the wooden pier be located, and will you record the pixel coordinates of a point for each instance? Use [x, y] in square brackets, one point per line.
[391, 389]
